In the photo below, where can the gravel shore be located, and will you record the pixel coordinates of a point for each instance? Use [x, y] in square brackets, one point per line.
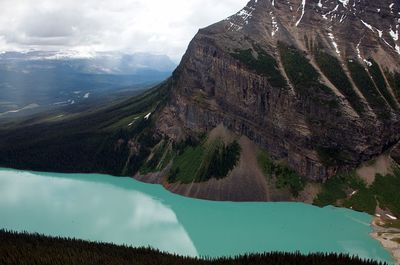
[388, 235]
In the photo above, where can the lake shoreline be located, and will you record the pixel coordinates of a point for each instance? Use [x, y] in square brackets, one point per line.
[149, 208]
[381, 234]
[387, 235]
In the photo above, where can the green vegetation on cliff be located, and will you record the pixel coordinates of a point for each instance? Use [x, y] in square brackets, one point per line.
[204, 161]
[363, 201]
[159, 158]
[264, 64]
[284, 176]
[330, 156]
[331, 68]
[368, 89]
[384, 191]
[221, 159]
[379, 79]
[335, 188]
[305, 77]
[187, 164]
[28, 249]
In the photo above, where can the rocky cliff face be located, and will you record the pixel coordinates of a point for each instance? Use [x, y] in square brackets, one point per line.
[313, 82]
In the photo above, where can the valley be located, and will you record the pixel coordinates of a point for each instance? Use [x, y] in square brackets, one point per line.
[39, 82]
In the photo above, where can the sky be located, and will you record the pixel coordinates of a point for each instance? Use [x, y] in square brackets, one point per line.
[86, 26]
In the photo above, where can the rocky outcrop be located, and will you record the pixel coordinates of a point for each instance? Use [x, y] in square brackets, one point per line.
[395, 153]
[261, 74]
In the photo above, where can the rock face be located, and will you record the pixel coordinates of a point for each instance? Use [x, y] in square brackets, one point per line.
[395, 153]
[313, 82]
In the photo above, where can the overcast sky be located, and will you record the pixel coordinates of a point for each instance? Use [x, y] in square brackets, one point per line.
[157, 26]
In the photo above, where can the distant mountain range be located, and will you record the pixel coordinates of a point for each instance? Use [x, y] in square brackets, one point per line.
[115, 63]
[39, 79]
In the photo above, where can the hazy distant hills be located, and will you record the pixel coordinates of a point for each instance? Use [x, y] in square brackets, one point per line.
[41, 80]
[90, 63]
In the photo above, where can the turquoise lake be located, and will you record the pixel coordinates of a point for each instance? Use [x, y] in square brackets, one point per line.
[124, 211]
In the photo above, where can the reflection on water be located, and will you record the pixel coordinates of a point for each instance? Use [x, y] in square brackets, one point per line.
[124, 211]
[89, 210]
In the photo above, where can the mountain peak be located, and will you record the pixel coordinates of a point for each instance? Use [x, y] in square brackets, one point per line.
[311, 81]
[351, 28]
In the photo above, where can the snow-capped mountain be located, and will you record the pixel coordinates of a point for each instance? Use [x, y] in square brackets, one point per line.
[89, 63]
[347, 26]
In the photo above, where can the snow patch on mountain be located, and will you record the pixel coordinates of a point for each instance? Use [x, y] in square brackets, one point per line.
[275, 27]
[303, 3]
[325, 16]
[245, 14]
[241, 18]
[393, 34]
[332, 37]
[367, 25]
[344, 2]
[358, 50]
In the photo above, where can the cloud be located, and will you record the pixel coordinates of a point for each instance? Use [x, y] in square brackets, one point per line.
[156, 26]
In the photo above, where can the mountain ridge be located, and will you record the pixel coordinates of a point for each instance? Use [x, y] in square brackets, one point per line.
[215, 52]
[117, 63]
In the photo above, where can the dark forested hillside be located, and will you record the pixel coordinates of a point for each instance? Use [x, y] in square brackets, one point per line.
[113, 139]
[21, 249]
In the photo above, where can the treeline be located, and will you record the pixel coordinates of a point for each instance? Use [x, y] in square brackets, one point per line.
[333, 70]
[285, 177]
[34, 249]
[222, 160]
[306, 79]
[368, 89]
[383, 192]
[264, 64]
[203, 162]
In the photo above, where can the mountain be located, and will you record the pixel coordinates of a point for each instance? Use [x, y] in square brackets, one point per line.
[315, 83]
[266, 105]
[39, 81]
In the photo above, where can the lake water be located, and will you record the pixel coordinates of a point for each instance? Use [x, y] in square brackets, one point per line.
[124, 211]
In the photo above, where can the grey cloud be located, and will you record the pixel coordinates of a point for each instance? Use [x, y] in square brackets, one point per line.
[156, 26]
[49, 25]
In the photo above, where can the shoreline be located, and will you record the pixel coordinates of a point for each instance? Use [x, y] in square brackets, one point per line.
[385, 227]
[382, 230]
[388, 236]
